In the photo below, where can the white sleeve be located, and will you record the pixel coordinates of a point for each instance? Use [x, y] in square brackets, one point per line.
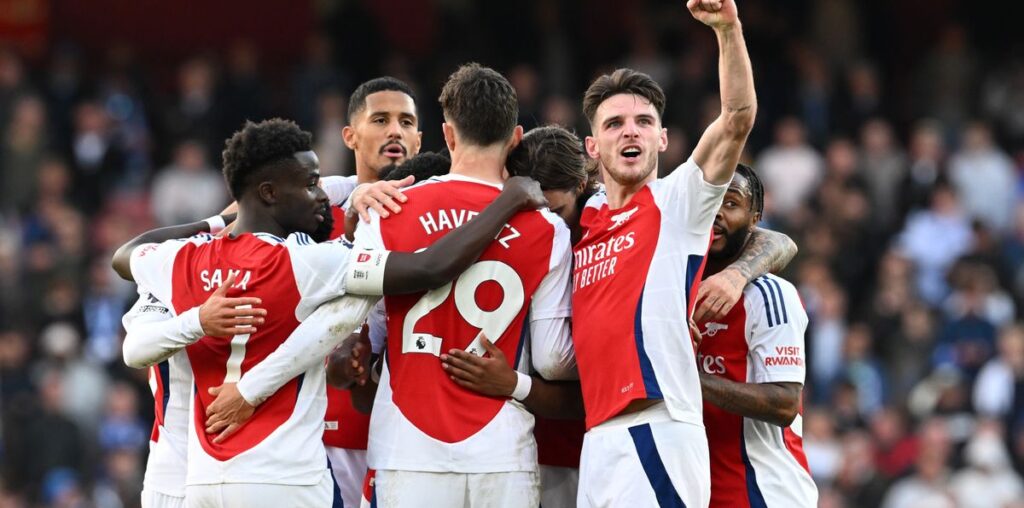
[368, 235]
[307, 346]
[338, 188]
[687, 196]
[552, 352]
[155, 333]
[152, 264]
[775, 337]
[378, 322]
[320, 270]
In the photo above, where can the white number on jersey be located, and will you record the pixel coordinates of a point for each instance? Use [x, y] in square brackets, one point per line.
[492, 323]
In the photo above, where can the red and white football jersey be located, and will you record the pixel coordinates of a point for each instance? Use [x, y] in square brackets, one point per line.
[761, 340]
[171, 384]
[282, 442]
[634, 284]
[517, 291]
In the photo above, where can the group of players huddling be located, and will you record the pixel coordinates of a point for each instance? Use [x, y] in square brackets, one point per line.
[520, 298]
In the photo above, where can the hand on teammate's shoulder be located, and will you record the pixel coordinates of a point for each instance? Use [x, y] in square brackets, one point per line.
[526, 191]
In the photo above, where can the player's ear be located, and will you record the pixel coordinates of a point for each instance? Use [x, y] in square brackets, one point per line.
[663, 140]
[348, 134]
[591, 144]
[417, 143]
[265, 190]
[449, 136]
[517, 137]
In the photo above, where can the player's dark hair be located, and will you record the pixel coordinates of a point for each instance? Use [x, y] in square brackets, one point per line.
[259, 146]
[422, 166]
[551, 155]
[622, 81]
[357, 101]
[481, 104]
[756, 187]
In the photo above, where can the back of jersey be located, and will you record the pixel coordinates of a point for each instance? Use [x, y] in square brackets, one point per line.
[422, 420]
[281, 443]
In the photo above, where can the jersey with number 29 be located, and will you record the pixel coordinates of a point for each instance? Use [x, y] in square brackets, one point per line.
[422, 420]
[282, 442]
[634, 282]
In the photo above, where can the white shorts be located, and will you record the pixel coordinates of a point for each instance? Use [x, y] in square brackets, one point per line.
[154, 499]
[403, 489]
[349, 468]
[645, 459]
[558, 486]
[259, 495]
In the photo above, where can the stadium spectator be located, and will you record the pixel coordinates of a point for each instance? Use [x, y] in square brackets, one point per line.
[189, 189]
[791, 168]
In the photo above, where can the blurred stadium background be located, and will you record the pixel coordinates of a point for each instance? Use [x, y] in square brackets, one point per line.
[890, 137]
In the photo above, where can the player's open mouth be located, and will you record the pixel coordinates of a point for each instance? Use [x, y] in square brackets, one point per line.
[394, 151]
[630, 153]
[719, 231]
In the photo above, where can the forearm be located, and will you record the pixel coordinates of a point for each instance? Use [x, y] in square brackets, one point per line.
[448, 257]
[122, 257]
[736, 78]
[767, 251]
[150, 343]
[308, 345]
[775, 403]
[560, 400]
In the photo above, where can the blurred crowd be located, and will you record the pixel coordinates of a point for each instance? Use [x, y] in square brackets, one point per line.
[900, 174]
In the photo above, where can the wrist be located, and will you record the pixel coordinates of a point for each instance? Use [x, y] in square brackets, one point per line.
[215, 223]
[727, 28]
[524, 384]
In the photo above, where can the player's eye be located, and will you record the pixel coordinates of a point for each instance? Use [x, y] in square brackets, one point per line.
[379, 120]
[407, 123]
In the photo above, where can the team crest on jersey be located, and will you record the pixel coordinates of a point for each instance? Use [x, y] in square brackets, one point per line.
[621, 218]
[710, 329]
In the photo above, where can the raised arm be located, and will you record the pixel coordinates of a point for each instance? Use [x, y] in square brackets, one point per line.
[766, 251]
[720, 147]
[121, 261]
[454, 252]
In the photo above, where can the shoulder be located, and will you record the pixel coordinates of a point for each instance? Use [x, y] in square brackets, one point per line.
[773, 296]
[599, 199]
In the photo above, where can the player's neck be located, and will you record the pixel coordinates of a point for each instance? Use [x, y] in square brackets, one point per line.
[717, 263]
[619, 195]
[365, 174]
[482, 163]
[249, 221]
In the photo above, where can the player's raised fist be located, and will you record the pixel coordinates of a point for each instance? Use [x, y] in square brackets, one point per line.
[714, 13]
[525, 191]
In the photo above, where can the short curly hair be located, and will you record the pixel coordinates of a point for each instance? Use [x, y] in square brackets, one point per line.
[622, 81]
[258, 146]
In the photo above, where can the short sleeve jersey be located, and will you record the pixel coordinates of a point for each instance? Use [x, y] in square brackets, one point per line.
[281, 444]
[171, 383]
[421, 419]
[634, 282]
[761, 340]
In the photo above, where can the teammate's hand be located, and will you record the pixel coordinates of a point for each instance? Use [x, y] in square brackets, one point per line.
[382, 196]
[221, 316]
[695, 336]
[718, 294]
[487, 375]
[526, 191]
[349, 363]
[714, 13]
[228, 412]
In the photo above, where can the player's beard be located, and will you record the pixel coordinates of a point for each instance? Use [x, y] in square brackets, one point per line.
[631, 176]
[734, 243]
[323, 230]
